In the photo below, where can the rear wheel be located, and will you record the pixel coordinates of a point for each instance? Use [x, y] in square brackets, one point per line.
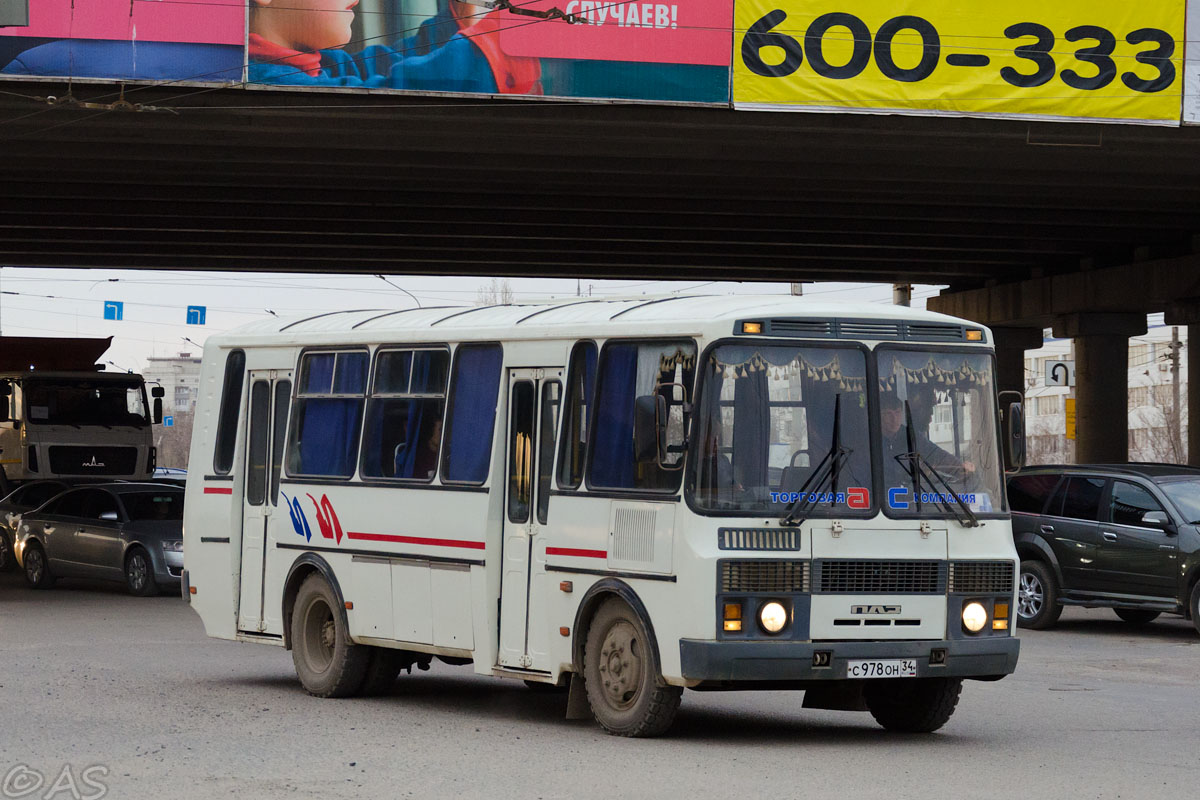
[1037, 597]
[621, 674]
[327, 662]
[139, 573]
[1136, 616]
[908, 705]
[37, 568]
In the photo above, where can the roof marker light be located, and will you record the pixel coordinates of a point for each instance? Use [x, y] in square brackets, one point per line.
[752, 327]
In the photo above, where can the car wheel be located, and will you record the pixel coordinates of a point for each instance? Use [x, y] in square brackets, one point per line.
[1037, 597]
[37, 567]
[1136, 616]
[908, 705]
[7, 560]
[621, 675]
[1194, 605]
[327, 662]
[139, 573]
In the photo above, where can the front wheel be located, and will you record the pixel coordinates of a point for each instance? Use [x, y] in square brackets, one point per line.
[37, 567]
[139, 574]
[1037, 597]
[913, 705]
[624, 688]
[327, 662]
[1194, 606]
[1136, 616]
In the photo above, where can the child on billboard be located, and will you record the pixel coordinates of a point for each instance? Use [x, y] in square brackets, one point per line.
[299, 43]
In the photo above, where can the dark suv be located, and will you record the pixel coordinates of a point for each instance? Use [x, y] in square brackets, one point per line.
[1122, 536]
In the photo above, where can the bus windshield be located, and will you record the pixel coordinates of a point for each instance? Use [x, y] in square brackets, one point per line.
[938, 435]
[775, 422]
[85, 402]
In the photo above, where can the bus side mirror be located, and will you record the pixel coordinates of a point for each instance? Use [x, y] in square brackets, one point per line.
[1014, 429]
[649, 428]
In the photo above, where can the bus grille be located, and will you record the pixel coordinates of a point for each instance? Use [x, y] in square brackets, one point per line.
[983, 577]
[757, 539]
[764, 576]
[881, 577]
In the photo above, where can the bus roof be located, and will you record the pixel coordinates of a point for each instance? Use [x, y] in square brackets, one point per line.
[713, 315]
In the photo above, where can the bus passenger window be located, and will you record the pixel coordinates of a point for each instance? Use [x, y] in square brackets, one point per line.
[403, 432]
[581, 380]
[231, 403]
[629, 370]
[328, 410]
[471, 418]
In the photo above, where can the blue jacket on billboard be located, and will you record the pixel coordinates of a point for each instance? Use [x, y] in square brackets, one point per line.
[122, 60]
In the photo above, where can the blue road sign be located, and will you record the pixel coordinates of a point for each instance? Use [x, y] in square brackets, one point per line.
[195, 315]
[114, 309]
[168, 421]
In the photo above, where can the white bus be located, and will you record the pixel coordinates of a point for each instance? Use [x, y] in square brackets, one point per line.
[623, 497]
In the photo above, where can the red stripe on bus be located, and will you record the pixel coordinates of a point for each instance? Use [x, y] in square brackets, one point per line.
[572, 551]
[388, 537]
[218, 490]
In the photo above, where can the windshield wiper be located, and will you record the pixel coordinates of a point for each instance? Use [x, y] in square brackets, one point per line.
[827, 471]
[943, 493]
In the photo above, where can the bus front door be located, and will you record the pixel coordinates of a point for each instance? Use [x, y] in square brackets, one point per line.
[270, 396]
[533, 403]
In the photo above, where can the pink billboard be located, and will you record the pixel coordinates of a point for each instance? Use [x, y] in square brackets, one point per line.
[683, 32]
[210, 21]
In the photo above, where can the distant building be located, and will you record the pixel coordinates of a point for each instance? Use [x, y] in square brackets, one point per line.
[1157, 426]
[180, 378]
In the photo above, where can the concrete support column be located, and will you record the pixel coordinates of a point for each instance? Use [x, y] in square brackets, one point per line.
[1101, 382]
[1187, 312]
[1011, 344]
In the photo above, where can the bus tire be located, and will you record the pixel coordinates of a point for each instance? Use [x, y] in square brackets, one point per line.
[327, 662]
[1037, 597]
[621, 674]
[37, 567]
[913, 705]
[383, 667]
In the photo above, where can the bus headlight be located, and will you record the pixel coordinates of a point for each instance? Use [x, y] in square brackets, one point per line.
[974, 617]
[773, 616]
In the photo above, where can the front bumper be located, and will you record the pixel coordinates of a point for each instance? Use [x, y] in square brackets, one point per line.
[702, 660]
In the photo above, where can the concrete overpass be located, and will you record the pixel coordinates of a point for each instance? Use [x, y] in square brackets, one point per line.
[1080, 227]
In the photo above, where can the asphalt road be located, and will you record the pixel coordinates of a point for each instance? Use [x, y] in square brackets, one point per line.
[90, 677]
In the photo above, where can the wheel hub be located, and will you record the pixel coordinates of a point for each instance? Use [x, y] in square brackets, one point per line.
[1030, 596]
[621, 665]
[328, 634]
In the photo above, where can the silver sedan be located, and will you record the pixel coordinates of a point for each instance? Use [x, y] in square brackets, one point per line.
[131, 532]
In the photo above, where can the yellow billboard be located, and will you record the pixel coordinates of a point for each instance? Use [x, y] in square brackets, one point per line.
[1099, 59]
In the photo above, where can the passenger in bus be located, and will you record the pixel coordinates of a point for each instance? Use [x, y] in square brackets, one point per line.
[427, 455]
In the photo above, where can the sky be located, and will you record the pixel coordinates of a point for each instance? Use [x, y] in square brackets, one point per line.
[70, 302]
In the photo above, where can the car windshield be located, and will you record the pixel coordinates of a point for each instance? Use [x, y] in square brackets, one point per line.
[85, 402]
[1185, 494]
[774, 422]
[153, 505]
[938, 432]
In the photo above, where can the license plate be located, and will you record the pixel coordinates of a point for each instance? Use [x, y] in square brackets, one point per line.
[882, 668]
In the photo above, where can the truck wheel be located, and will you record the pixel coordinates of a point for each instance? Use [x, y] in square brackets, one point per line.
[37, 567]
[1037, 597]
[621, 674]
[383, 666]
[913, 705]
[327, 662]
[1136, 616]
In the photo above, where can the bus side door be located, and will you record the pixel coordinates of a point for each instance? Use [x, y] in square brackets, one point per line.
[533, 403]
[270, 397]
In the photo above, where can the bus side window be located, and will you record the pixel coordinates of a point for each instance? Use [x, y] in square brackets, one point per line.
[231, 403]
[581, 381]
[551, 392]
[327, 414]
[629, 370]
[404, 414]
[471, 418]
